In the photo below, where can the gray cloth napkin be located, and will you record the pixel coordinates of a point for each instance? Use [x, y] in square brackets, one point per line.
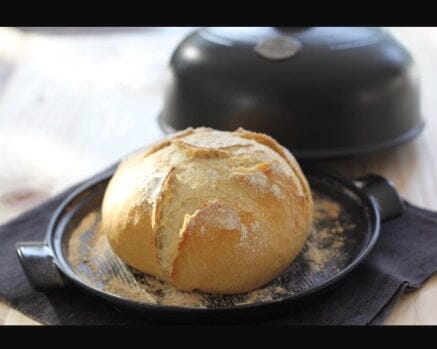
[403, 258]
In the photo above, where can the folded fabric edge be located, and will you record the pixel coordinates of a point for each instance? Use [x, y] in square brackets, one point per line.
[403, 288]
[379, 318]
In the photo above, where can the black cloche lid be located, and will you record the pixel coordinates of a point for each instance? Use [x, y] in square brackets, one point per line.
[322, 92]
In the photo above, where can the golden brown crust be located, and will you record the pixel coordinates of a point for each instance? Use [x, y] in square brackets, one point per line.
[195, 151]
[222, 212]
[285, 153]
[138, 234]
[153, 148]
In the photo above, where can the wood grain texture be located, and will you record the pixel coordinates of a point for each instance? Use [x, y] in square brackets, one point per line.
[72, 103]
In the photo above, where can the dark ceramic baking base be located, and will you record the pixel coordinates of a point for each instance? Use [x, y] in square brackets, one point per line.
[366, 202]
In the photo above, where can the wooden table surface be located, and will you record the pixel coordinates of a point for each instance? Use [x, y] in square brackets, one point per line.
[73, 101]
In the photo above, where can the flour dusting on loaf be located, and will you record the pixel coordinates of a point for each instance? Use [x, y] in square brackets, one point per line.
[221, 212]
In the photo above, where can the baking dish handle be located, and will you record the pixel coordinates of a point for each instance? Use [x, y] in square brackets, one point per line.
[389, 202]
[38, 265]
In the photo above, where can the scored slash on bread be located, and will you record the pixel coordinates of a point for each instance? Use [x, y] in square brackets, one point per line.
[221, 212]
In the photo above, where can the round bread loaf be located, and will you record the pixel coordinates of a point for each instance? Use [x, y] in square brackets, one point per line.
[220, 212]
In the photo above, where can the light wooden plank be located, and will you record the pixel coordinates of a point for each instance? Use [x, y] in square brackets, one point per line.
[14, 317]
[3, 312]
[9, 316]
